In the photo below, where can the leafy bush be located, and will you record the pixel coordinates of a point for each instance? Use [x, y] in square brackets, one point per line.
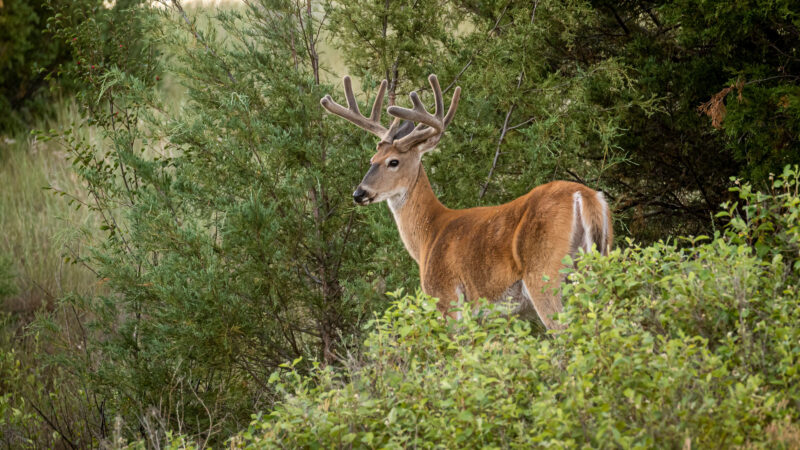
[770, 222]
[42, 405]
[37, 60]
[690, 342]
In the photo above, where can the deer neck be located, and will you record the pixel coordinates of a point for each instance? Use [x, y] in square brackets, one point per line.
[416, 213]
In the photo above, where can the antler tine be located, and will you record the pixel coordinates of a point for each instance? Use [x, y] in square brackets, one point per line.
[393, 127]
[377, 107]
[353, 114]
[451, 112]
[429, 125]
[352, 104]
[437, 94]
[417, 114]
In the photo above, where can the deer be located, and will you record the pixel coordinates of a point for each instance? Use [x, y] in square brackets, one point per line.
[510, 252]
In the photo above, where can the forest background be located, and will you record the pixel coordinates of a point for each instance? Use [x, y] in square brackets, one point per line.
[195, 258]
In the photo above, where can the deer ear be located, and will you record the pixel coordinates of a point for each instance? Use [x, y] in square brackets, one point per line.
[398, 130]
[406, 127]
[428, 144]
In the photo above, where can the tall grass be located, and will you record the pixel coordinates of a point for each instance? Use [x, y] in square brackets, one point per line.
[39, 228]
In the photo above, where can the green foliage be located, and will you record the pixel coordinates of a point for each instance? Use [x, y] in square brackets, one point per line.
[12, 417]
[667, 345]
[688, 53]
[229, 245]
[757, 56]
[38, 61]
[229, 230]
[769, 221]
[607, 93]
[38, 229]
[529, 113]
[31, 414]
[29, 56]
[400, 41]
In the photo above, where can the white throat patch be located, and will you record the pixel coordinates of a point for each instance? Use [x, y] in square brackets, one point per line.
[397, 201]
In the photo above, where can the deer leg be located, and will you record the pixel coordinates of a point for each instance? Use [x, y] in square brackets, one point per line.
[545, 300]
[445, 306]
[447, 299]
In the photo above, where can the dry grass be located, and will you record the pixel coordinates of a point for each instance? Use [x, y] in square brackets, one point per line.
[40, 228]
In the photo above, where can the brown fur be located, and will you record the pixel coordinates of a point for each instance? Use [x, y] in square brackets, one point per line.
[480, 252]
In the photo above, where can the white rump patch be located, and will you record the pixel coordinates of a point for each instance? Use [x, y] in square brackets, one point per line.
[578, 214]
[604, 208]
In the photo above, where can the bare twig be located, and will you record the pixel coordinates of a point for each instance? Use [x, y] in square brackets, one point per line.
[52, 425]
[505, 122]
[455, 79]
[525, 122]
[116, 148]
[793, 77]
[500, 141]
[576, 176]
[497, 150]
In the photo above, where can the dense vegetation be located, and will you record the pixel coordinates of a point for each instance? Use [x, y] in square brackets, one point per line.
[231, 273]
[677, 344]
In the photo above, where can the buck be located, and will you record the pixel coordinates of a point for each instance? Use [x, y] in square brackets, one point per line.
[507, 252]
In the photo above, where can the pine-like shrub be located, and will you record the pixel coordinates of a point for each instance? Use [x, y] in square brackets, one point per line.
[229, 240]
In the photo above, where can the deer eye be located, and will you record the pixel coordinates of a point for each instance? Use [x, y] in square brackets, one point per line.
[394, 163]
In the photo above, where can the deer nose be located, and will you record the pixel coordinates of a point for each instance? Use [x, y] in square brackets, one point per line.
[359, 195]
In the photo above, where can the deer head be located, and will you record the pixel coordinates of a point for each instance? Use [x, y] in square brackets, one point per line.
[395, 166]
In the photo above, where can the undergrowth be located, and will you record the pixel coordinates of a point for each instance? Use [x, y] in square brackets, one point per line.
[691, 342]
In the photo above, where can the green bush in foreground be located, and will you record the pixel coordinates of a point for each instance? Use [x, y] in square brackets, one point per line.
[680, 343]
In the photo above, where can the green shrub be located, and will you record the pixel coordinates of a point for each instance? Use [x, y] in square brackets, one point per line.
[20, 391]
[689, 342]
[769, 222]
[579, 73]
[229, 236]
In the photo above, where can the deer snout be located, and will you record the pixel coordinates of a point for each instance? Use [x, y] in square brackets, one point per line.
[361, 196]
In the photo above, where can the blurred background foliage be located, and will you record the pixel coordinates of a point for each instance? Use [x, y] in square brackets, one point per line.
[196, 232]
[29, 59]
